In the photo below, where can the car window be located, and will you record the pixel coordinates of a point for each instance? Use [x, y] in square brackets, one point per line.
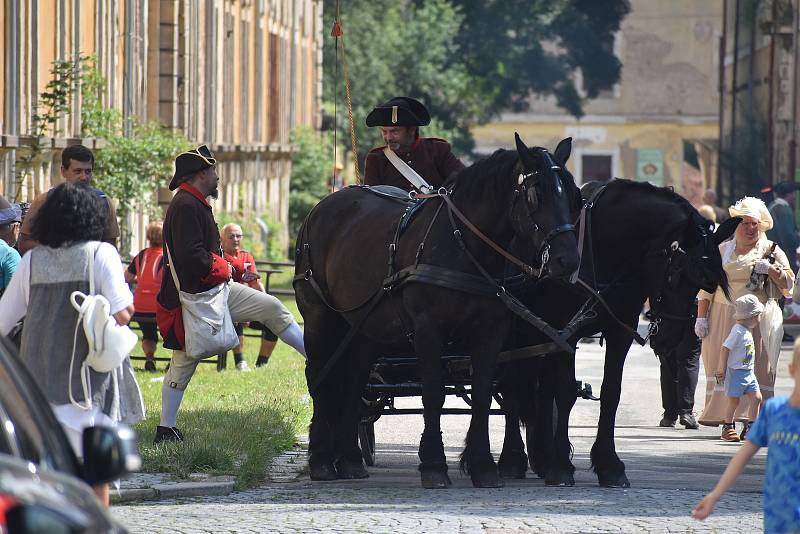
[27, 419]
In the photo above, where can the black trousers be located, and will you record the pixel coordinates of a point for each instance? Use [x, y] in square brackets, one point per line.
[679, 369]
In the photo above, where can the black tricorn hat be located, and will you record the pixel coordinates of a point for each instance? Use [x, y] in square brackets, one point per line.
[190, 162]
[399, 111]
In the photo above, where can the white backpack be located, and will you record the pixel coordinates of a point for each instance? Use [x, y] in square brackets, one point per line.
[109, 342]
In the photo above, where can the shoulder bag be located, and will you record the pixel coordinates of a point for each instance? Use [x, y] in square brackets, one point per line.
[206, 319]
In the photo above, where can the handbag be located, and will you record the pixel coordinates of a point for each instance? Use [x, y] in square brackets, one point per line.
[206, 319]
[109, 343]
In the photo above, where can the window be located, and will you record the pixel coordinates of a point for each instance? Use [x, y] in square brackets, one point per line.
[597, 167]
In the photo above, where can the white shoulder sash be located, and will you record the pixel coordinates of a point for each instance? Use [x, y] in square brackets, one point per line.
[408, 173]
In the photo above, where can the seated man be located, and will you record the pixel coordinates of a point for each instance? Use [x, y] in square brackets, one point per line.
[10, 219]
[431, 158]
[245, 272]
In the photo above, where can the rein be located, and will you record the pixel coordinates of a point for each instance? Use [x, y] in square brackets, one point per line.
[444, 194]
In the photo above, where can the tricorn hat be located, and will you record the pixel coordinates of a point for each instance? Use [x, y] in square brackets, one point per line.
[399, 111]
[190, 162]
[9, 213]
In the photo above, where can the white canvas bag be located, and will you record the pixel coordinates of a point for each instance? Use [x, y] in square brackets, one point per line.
[207, 321]
[109, 343]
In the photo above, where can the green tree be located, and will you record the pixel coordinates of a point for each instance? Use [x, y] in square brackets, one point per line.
[311, 170]
[138, 155]
[468, 60]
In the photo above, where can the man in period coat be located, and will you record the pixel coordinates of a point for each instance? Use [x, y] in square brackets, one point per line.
[432, 158]
[192, 239]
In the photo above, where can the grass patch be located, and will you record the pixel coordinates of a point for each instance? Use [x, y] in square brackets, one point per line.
[234, 423]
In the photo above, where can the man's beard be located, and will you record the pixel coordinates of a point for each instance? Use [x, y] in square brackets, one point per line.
[214, 194]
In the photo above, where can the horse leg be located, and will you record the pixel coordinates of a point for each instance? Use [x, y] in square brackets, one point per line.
[540, 422]
[477, 456]
[560, 472]
[323, 332]
[433, 463]
[349, 461]
[605, 462]
[513, 461]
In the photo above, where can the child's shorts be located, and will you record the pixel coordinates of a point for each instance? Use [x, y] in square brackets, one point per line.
[740, 382]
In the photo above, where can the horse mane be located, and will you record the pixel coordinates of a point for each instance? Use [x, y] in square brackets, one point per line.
[497, 167]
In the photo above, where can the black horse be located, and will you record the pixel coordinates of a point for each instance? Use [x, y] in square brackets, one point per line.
[351, 253]
[642, 242]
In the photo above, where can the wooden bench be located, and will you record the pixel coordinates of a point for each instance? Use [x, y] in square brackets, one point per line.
[220, 360]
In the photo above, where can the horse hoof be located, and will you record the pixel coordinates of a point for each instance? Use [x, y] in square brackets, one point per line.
[511, 471]
[322, 472]
[487, 480]
[435, 480]
[346, 470]
[614, 480]
[562, 478]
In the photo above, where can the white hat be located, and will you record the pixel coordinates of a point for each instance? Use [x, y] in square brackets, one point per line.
[755, 208]
[747, 306]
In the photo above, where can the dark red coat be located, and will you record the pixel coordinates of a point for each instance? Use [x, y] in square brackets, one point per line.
[192, 236]
[432, 158]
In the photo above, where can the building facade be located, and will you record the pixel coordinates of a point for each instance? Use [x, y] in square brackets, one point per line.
[659, 123]
[759, 95]
[238, 75]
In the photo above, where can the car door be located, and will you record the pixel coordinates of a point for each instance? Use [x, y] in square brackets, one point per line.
[37, 465]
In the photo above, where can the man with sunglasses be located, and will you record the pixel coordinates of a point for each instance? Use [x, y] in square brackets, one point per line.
[77, 166]
[192, 238]
[431, 158]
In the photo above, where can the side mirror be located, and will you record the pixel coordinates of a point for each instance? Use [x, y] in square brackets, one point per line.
[39, 519]
[109, 453]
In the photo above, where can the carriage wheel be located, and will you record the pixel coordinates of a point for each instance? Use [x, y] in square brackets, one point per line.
[366, 438]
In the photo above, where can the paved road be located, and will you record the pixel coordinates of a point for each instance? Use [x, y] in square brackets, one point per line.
[670, 469]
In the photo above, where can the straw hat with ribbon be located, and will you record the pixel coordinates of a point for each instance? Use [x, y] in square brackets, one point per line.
[755, 208]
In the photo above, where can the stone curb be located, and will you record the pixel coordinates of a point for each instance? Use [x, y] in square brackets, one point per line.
[286, 467]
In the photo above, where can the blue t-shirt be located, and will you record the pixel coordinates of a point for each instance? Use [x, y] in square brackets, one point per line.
[9, 259]
[778, 428]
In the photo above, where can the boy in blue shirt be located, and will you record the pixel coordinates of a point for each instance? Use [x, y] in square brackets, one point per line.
[778, 428]
[736, 366]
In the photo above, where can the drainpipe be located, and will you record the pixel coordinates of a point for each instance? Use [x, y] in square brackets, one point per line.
[721, 89]
[771, 100]
[734, 91]
[293, 68]
[792, 159]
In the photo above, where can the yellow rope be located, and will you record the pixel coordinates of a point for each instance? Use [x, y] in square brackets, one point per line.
[353, 142]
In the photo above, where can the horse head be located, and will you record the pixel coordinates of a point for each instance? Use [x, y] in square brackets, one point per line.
[693, 262]
[543, 205]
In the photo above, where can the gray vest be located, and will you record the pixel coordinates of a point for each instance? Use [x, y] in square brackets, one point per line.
[49, 330]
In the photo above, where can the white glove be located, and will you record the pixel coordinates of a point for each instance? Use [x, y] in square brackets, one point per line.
[701, 327]
[762, 266]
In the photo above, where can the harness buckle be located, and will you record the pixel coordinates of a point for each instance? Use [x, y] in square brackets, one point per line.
[412, 195]
[308, 275]
[442, 192]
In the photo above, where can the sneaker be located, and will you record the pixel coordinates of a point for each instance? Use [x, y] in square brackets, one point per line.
[166, 433]
[667, 421]
[150, 365]
[729, 432]
[688, 420]
[242, 366]
[262, 361]
[745, 430]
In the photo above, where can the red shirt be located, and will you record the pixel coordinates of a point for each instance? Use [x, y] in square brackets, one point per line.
[241, 262]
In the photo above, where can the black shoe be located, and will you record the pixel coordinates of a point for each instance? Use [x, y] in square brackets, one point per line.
[667, 421]
[262, 361]
[165, 433]
[150, 365]
[688, 420]
[787, 338]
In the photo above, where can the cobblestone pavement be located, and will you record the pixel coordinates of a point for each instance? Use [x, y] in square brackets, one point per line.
[669, 469]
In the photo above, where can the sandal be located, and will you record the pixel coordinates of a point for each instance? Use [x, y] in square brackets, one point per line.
[729, 432]
[745, 430]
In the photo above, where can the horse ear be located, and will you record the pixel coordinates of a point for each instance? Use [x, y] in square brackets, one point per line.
[726, 229]
[563, 150]
[521, 148]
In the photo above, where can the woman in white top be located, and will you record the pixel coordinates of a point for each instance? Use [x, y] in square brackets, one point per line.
[744, 255]
[69, 226]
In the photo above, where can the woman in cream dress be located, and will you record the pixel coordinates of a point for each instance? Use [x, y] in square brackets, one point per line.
[740, 256]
